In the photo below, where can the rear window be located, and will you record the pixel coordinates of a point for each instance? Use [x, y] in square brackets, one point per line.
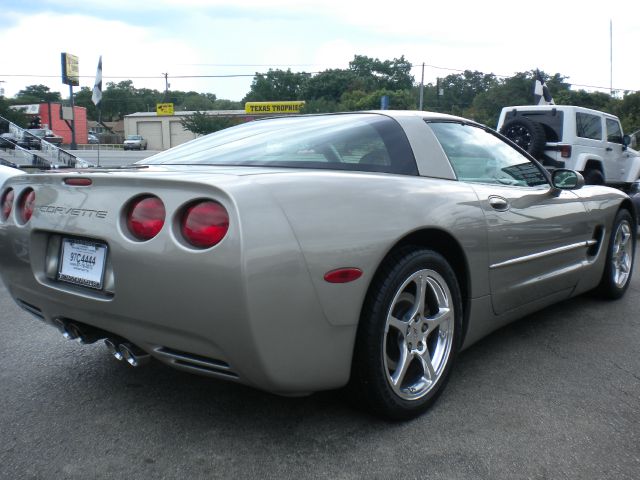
[359, 142]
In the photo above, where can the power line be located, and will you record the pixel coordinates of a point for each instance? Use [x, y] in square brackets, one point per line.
[237, 75]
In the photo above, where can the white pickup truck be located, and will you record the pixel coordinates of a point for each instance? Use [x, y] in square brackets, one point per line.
[562, 136]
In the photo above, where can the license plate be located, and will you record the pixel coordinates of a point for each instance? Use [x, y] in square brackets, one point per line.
[82, 262]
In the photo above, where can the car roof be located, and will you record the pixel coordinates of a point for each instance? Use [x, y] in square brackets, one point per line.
[563, 108]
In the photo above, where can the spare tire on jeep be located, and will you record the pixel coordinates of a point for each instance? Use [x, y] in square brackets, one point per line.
[527, 134]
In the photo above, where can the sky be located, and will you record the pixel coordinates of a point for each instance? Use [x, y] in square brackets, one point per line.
[228, 41]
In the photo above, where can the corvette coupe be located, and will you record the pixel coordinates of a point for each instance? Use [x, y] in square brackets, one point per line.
[313, 252]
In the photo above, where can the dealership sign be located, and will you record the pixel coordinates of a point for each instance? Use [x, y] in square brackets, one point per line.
[70, 70]
[273, 107]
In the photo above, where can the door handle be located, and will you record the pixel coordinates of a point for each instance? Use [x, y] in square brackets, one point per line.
[498, 203]
[609, 149]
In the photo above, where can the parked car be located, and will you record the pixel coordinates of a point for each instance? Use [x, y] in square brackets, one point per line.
[135, 142]
[312, 252]
[31, 138]
[92, 139]
[563, 136]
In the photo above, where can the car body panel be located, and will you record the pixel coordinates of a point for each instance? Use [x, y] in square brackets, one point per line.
[255, 308]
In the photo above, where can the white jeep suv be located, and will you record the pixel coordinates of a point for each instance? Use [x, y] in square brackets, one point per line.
[562, 136]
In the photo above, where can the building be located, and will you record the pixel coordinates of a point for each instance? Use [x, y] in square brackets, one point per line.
[51, 117]
[166, 131]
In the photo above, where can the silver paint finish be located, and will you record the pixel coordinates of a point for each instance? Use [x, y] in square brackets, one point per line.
[257, 302]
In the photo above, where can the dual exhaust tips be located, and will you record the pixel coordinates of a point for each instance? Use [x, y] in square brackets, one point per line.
[123, 350]
[120, 348]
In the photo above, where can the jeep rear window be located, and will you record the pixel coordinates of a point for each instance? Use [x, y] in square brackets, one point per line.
[551, 121]
[588, 126]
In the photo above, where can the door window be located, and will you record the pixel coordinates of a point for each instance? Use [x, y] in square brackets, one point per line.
[614, 132]
[477, 155]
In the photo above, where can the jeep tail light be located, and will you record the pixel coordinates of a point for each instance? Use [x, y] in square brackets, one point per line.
[27, 204]
[145, 217]
[7, 203]
[565, 151]
[204, 223]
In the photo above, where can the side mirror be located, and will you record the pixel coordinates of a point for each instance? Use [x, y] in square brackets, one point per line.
[565, 179]
[626, 141]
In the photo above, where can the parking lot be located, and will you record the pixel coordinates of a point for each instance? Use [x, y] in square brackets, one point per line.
[556, 395]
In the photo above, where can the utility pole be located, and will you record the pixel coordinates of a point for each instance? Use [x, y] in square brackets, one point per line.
[73, 145]
[611, 57]
[422, 88]
[166, 86]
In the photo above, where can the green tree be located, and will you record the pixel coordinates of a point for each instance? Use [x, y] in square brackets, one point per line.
[37, 94]
[459, 90]
[197, 101]
[16, 116]
[359, 100]
[202, 124]
[376, 74]
[276, 85]
[515, 90]
[329, 85]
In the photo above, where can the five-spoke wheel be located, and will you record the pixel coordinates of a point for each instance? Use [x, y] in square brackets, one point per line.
[408, 335]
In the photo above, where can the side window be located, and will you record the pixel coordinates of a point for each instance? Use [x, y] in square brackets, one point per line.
[477, 155]
[614, 132]
[588, 126]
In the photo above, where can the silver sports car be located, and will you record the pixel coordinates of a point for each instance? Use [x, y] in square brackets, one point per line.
[314, 252]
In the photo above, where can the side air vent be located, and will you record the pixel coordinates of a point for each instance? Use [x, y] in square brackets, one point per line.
[598, 236]
[197, 363]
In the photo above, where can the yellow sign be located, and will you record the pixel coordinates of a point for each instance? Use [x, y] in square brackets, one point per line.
[70, 70]
[164, 108]
[273, 107]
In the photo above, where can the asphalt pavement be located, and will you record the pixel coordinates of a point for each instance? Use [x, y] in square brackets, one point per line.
[553, 396]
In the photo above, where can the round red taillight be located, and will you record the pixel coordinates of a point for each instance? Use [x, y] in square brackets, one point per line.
[204, 224]
[7, 203]
[145, 217]
[27, 204]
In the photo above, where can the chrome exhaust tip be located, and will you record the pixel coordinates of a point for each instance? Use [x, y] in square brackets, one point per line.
[112, 346]
[84, 334]
[68, 329]
[133, 354]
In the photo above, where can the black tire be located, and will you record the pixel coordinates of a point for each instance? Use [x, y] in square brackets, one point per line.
[527, 134]
[593, 177]
[398, 344]
[620, 255]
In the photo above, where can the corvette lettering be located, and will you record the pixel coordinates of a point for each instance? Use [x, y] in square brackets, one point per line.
[72, 212]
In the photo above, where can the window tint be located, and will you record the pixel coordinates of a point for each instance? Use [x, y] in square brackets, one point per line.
[588, 126]
[477, 155]
[614, 132]
[359, 142]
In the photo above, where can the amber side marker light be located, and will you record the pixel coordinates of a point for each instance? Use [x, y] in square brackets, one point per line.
[343, 275]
